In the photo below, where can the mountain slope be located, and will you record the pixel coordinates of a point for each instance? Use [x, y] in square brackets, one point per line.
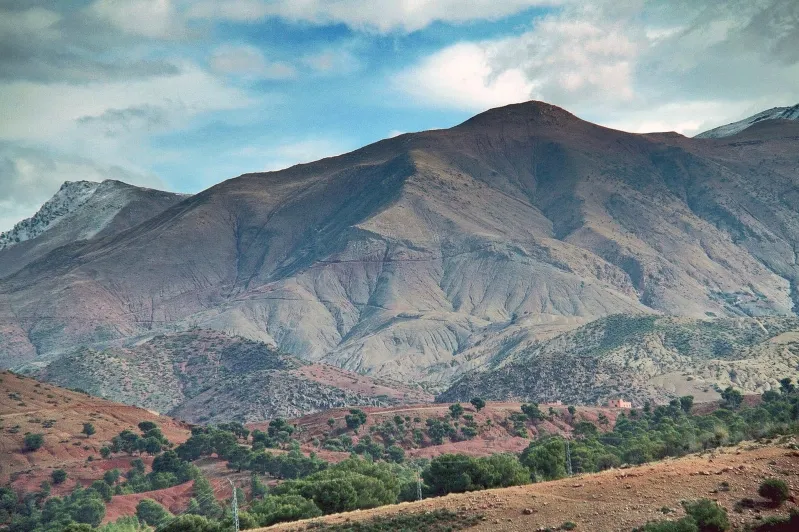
[404, 257]
[206, 376]
[728, 130]
[640, 359]
[79, 211]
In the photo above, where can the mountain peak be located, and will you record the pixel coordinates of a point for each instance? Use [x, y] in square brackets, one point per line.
[69, 197]
[728, 130]
[532, 111]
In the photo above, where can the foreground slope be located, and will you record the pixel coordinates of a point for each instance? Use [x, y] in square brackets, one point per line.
[617, 499]
[403, 258]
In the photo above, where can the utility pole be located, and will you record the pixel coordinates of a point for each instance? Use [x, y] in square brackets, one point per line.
[568, 458]
[235, 507]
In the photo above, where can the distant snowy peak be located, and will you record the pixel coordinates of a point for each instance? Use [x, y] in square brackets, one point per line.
[777, 113]
[70, 197]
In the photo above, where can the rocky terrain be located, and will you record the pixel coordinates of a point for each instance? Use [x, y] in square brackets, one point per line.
[209, 377]
[422, 257]
[640, 359]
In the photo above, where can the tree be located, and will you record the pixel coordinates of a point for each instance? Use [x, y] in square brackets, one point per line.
[478, 403]
[58, 476]
[687, 403]
[105, 452]
[455, 410]
[191, 523]
[732, 398]
[111, 476]
[709, 516]
[152, 513]
[395, 453]
[355, 419]
[532, 412]
[572, 410]
[786, 387]
[147, 426]
[331, 422]
[105, 491]
[88, 429]
[546, 458]
[775, 490]
[33, 442]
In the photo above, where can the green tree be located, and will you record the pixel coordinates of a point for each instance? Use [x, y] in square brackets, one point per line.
[546, 458]
[105, 491]
[33, 442]
[105, 452]
[111, 476]
[395, 453]
[150, 512]
[455, 410]
[786, 386]
[147, 426]
[355, 419]
[572, 410]
[532, 412]
[88, 429]
[775, 490]
[331, 422]
[687, 403]
[732, 398]
[478, 403]
[191, 523]
[58, 476]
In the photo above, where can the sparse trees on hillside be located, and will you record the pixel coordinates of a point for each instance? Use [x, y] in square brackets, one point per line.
[687, 403]
[732, 398]
[88, 429]
[58, 476]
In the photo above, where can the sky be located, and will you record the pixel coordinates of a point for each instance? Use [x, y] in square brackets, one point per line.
[183, 94]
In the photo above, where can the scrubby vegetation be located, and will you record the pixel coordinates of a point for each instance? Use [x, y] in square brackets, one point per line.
[377, 472]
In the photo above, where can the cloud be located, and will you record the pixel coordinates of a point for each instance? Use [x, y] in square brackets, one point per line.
[29, 176]
[639, 65]
[381, 17]
[248, 61]
[148, 18]
[332, 62]
[286, 154]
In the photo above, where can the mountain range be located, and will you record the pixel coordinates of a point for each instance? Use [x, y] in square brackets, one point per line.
[437, 257]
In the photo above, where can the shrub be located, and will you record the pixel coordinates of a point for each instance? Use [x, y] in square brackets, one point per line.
[58, 476]
[455, 410]
[88, 429]
[33, 442]
[151, 513]
[775, 490]
[478, 403]
[683, 525]
[709, 516]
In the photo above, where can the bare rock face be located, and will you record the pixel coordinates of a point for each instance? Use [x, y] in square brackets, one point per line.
[422, 256]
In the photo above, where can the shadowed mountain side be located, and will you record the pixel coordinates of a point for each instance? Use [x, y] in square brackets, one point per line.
[398, 258]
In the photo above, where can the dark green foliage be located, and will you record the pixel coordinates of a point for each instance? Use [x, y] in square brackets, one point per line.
[32, 442]
[355, 419]
[775, 490]
[150, 512]
[708, 516]
[282, 508]
[146, 426]
[546, 458]
[110, 477]
[681, 525]
[88, 429]
[778, 524]
[455, 410]
[732, 398]
[58, 476]
[434, 521]
[786, 386]
[191, 523]
[105, 491]
[478, 403]
[456, 473]
[257, 488]
[687, 403]
[105, 452]
[532, 412]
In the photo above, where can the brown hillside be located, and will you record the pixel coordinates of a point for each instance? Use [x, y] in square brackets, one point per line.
[614, 500]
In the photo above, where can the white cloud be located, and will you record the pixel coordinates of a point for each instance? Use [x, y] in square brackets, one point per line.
[332, 62]
[461, 76]
[248, 61]
[383, 17]
[148, 18]
[637, 65]
[286, 154]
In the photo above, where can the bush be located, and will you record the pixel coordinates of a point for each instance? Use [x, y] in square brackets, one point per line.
[709, 516]
[191, 523]
[33, 442]
[150, 512]
[775, 490]
[58, 476]
[683, 525]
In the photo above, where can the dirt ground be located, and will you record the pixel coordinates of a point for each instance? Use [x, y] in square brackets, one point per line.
[615, 500]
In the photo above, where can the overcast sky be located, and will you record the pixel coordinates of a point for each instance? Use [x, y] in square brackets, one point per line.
[182, 94]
